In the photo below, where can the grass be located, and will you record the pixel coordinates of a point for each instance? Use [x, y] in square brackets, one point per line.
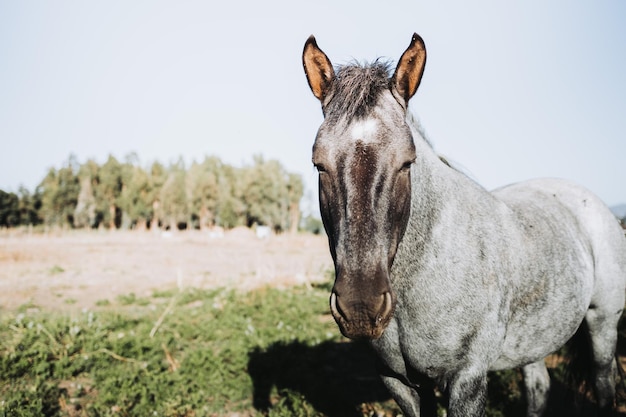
[56, 269]
[208, 355]
[198, 353]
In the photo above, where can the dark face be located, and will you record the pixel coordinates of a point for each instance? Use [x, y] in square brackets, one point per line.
[364, 151]
[365, 189]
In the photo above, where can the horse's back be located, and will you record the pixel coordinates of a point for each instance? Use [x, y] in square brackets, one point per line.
[573, 207]
[586, 218]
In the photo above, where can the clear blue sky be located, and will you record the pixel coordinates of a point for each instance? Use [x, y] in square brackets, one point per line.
[512, 90]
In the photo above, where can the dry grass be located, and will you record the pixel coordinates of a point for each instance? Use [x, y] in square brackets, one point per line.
[75, 270]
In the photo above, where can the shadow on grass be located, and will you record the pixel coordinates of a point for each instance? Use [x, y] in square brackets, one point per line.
[337, 378]
[507, 399]
[563, 401]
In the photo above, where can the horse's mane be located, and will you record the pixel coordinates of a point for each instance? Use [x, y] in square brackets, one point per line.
[417, 128]
[357, 87]
[420, 133]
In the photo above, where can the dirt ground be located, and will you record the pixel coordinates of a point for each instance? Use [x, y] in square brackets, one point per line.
[76, 270]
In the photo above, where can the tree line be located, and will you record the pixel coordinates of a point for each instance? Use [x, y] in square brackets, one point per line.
[123, 194]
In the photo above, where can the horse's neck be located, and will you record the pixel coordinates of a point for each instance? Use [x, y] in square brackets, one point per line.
[442, 196]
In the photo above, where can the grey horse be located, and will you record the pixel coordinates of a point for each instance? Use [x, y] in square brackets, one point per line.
[447, 280]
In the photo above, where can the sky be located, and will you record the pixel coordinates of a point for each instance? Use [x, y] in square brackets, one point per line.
[511, 90]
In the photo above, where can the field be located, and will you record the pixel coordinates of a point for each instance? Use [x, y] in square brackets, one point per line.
[189, 324]
[70, 271]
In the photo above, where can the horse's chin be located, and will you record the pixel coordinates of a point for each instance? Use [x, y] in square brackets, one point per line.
[360, 331]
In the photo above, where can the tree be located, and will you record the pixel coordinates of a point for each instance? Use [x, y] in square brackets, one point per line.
[48, 189]
[59, 194]
[173, 207]
[271, 195]
[29, 205]
[9, 209]
[126, 195]
[109, 190]
[295, 191]
[205, 189]
[85, 212]
[156, 179]
[261, 182]
[91, 170]
[231, 208]
[135, 199]
[312, 224]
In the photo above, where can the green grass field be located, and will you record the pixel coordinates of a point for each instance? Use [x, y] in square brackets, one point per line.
[195, 353]
[198, 353]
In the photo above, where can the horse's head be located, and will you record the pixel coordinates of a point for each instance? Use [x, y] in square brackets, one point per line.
[363, 152]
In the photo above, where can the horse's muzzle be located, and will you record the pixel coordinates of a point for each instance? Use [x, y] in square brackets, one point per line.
[362, 319]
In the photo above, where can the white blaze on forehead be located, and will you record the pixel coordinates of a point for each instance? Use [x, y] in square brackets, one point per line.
[364, 130]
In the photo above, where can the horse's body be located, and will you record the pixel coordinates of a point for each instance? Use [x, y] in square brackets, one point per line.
[447, 280]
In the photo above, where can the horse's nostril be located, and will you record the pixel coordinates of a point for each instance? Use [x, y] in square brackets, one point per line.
[338, 308]
[333, 305]
[377, 312]
[387, 306]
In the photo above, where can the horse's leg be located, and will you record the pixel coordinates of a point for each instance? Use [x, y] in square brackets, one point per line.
[605, 310]
[602, 327]
[468, 395]
[407, 398]
[537, 386]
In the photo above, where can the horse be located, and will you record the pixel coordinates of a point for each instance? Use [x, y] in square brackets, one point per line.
[444, 279]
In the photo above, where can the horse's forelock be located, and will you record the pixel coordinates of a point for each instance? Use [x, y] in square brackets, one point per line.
[356, 89]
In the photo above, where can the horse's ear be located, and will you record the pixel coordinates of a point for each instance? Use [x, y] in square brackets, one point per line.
[318, 68]
[410, 68]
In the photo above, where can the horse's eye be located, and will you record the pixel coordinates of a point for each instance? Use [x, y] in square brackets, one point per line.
[320, 168]
[407, 165]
